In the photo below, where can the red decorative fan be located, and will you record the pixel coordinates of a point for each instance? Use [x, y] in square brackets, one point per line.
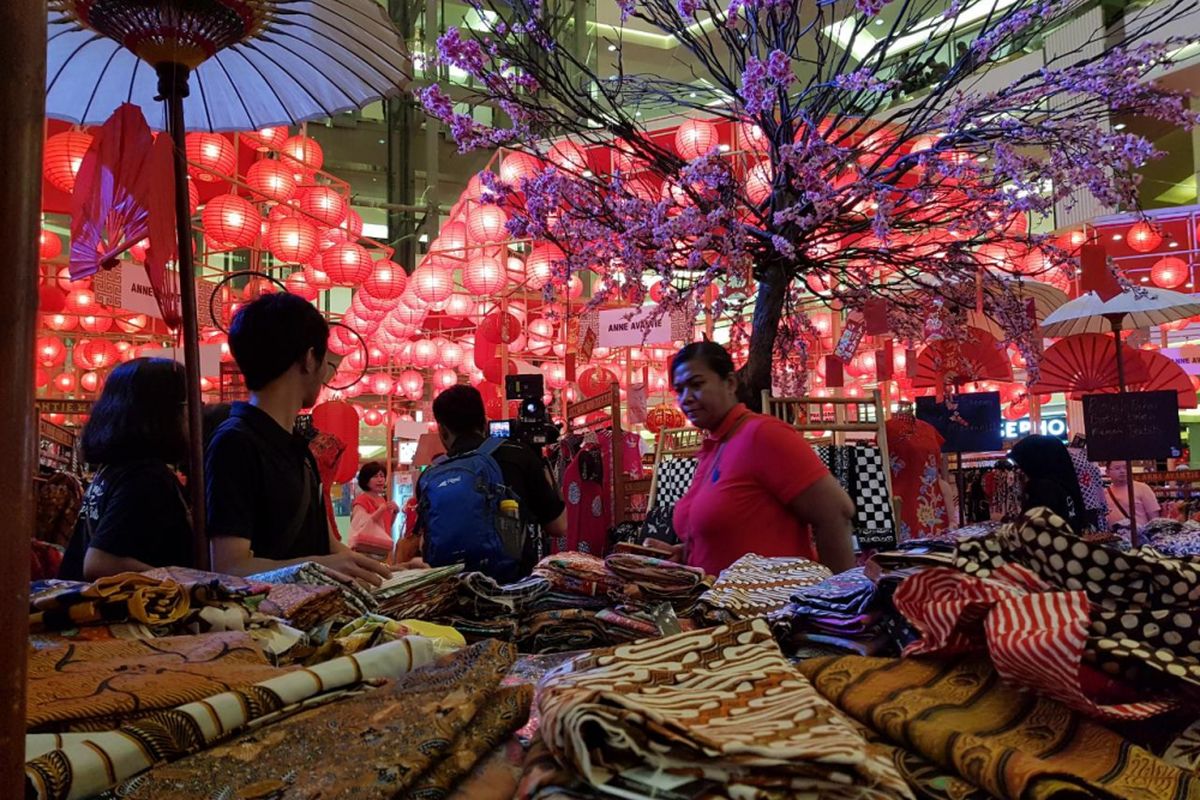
[1162, 374]
[980, 357]
[1087, 362]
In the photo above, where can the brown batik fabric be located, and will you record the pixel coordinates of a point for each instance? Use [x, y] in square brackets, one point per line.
[379, 745]
[94, 686]
[721, 704]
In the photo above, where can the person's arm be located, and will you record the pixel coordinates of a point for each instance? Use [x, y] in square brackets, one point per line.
[231, 555]
[1150, 501]
[100, 564]
[829, 510]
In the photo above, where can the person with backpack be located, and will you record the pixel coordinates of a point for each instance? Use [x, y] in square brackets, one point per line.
[265, 508]
[466, 501]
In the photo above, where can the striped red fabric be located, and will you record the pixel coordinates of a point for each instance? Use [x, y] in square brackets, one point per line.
[1034, 635]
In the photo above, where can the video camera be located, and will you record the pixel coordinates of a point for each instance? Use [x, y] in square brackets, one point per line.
[532, 425]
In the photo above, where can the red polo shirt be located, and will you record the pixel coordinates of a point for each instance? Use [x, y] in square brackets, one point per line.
[750, 468]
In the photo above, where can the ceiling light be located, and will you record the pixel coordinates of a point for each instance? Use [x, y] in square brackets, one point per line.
[612, 48]
[1145, 280]
[1120, 126]
[724, 148]
[587, 173]
[1173, 245]
[879, 21]
[1116, 237]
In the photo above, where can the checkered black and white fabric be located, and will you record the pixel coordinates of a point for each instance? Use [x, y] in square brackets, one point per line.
[859, 469]
[674, 478]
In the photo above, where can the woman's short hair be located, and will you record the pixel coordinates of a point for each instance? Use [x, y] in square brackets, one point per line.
[368, 471]
[714, 356]
[140, 414]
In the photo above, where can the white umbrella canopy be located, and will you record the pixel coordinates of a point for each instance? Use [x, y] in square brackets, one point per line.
[255, 63]
[1139, 308]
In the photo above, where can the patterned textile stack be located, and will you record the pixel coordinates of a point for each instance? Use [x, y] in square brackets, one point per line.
[649, 580]
[755, 586]
[357, 599]
[844, 613]
[1110, 633]
[577, 580]
[1172, 537]
[720, 711]
[418, 593]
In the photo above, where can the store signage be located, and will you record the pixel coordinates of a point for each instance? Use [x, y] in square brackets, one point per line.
[137, 295]
[1132, 425]
[64, 406]
[1055, 425]
[634, 327]
[1187, 357]
[210, 356]
[969, 424]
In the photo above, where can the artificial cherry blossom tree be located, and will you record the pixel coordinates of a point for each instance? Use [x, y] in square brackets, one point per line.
[861, 172]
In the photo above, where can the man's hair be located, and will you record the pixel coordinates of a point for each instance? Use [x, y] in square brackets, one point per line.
[460, 410]
[274, 332]
[140, 414]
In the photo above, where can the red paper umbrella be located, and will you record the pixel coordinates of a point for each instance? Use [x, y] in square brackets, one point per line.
[979, 358]
[1084, 363]
[1162, 374]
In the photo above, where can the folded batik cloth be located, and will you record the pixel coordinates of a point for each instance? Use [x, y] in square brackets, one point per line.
[223, 586]
[504, 628]
[577, 573]
[848, 593]
[629, 623]
[310, 573]
[371, 631]
[88, 686]
[754, 586]
[561, 631]
[127, 597]
[78, 765]
[480, 597]
[305, 607]
[650, 579]
[958, 716]
[723, 705]
[416, 737]
[560, 601]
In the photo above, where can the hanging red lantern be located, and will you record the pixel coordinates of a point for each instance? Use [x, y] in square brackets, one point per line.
[412, 382]
[484, 275]
[695, 138]
[256, 288]
[351, 228]
[485, 224]
[49, 245]
[499, 327]
[139, 250]
[346, 264]
[594, 380]
[450, 354]
[380, 383]
[61, 322]
[751, 137]
[387, 280]
[135, 323]
[91, 354]
[211, 155]
[452, 241]
[272, 179]
[759, 183]
[373, 417]
[50, 351]
[556, 375]
[298, 285]
[230, 222]
[569, 157]
[292, 240]
[62, 158]
[1170, 272]
[65, 382]
[96, 324]
[518, 166]
[324, 204]
[664, 416]
[317, 278]
[432, 282]
[340, 420]
[63, 279]
[304, 153]
[444, 378]
[1071, 241]
[41, 378]
[265, 139]
[539, 265]
[1143, 237]
[193, 197]
[459, 305]
[515, 267]
[424, 353]
[90, 382]
[541, 336]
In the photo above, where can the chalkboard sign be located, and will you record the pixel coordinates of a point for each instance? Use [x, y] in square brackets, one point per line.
[972, 425]
[1132, 426]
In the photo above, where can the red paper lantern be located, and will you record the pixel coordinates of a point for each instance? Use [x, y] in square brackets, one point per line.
[272, 179]
[41, 378]
[317, 278]
[65, 382]
[1170, 272]
[373, 418]
[347, 264]
[210, 153]
[297, 284]
[139, 250]
[61, 322]
[49, 245]
[94, 324]
[91, 354]
[452, 241]
[265, 139]
[230, 222]
[758, 183]
[380, 383]
[569, 157]
[324, 204]
[459, 305]
[664, 416]
[351, 227]
[556, 375]
[63, 157]
[424, 353]
[1143, 237]
[412, 382]
[539, 265]
[695, 138]
[49, 351]
[292, 240]
[485, 224]
[484, 275]
[432, 282]
[406, 314]
[541, 336]
[518, 166]
[303, 153]
[135, 323]
[595, 380]
[444, 378]
[751, 137]
[90, 381]
[450, 354]
[340, 420]
[387, 280]
[499, 327]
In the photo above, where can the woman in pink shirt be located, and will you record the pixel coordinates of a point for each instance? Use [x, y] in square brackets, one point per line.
[1145, 503]
[759, 487]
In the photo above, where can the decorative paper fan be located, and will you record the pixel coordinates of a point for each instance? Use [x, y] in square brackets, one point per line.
[979, 358]
[1163, 374]
[1086, 363]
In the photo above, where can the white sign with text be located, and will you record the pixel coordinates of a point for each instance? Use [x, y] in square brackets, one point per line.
[634, 327]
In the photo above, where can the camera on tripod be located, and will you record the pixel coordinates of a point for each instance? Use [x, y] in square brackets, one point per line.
[532, 425]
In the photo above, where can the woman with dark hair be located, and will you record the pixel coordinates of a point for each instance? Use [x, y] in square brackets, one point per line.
[372, 514]
[1049, 479]
[134, 515]
[759, 487]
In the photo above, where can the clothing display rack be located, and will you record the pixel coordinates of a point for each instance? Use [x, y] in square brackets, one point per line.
[674, 444]
[56, 448]
[608, 405]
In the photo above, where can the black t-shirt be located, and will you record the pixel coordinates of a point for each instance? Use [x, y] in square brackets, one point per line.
[525, 474]
[263, 485]
[134, 510]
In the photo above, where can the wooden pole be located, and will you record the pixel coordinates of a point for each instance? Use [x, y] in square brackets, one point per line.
[22, 96]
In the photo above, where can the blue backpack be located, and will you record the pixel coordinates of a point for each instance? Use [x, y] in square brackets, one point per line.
[460, 514]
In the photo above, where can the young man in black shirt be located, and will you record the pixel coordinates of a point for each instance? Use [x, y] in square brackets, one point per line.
[462, 427]
[264, 492]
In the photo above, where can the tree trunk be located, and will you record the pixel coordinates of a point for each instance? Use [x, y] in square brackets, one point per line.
[755, 374]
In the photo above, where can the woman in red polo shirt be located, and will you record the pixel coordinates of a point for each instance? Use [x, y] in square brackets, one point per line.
[759, 487]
